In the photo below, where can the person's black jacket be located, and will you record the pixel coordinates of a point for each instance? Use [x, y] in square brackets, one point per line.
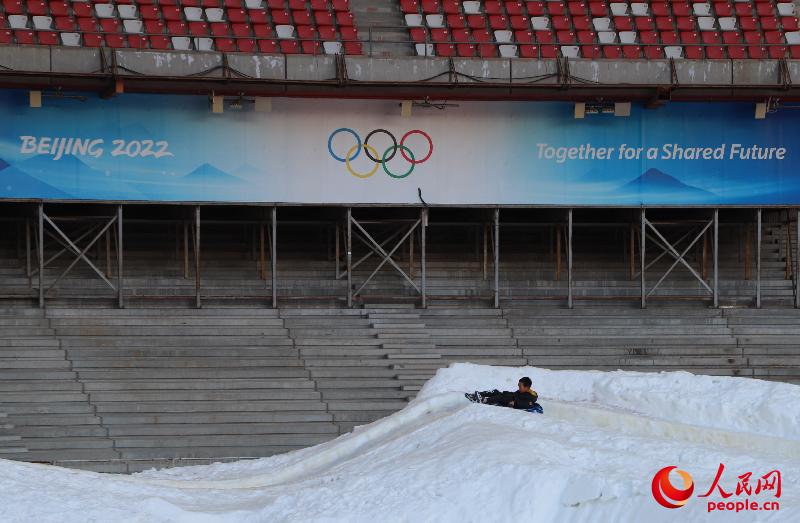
[525, 400]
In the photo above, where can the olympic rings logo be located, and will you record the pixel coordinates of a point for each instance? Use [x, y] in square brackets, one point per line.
[380, 160]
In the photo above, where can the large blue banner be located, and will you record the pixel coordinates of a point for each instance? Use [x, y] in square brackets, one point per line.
[173, 148]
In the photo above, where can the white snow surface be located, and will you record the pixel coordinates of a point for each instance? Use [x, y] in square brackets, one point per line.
[590, 458]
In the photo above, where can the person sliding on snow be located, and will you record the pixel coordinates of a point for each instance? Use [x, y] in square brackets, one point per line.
[524, 398]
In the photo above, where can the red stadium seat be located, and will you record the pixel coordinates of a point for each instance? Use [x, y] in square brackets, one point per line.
[418, 34]
[109, 25]
[690, 37]
[576, 8]
[743, 9]
[241, 30]
[268, 46]
[598, 9]
[535, 9]
[177, 27]
[556, 8]
[440, 35]
[777, 52]
[612, 51]
[566, 37]
[198, 28]
[65, 23]
[498, 22]
[660, 8]
[685, 23]
[560, 23]
[548, 51]
[59, 8]
[344, 19]
[246, 45]
[327, 32]
[710, 37]
[465, 50]
[224, 45]
[476, 21]
[519, 22]
[13, 7]
[258, 16]
[653, 52]
[582, 23]
[116, 41]
[263, 31]
[82, 9]
[171, 12]
[87, 24]
[160, 42]
[644, 23]
[302, 18]
[681, 8]
[514, 8]
[237, 15]
[456, 21]
[446, 50]
[693, 52]
[723, 9]
[623, 23]
[715, 52]
[137, 41]
[290, 46]
[149, 12]
[591, 51]
[748, 23]
[48, 38]
[789, 23]
[665, 23]
[323, 18]
[154, 27]
[38, 8]
[737, 52]
[669, 38]
[430, 6]
[24, 37]
[586, 37]
[276, 4]
[219, 29]
[648, 37]
[524, 37]
[349, 34]
[769, 23]
[451, 7]
[409, 6]
[93, 40]
[765, 9]
[631, 51]
[353, 48]
[341, 5]
[528, 51]
[487, 51]
[490, 7]
[545, 37]
[481, 36]
[297, 4]
[757, 52]
[281, 17]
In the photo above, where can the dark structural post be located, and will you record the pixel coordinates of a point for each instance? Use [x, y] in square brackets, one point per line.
[274, 257]
[497, 257]
[197, 256]
[120, 302]
[349, 247]
[797, 264]
[758, 259]
[41, 255]
[569, 258]
[716, 257]
[424, 248]
[642, 236]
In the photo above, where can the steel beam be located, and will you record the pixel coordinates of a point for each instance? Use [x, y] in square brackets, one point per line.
[41, 255]
[758, 258]
[642, 241]
[197, 302]
[274, 256]
[387, 256]
[569, 259]
[349, 257]
[497, 257]
[716, 257]
[423, 257]
[797, 263]
[120, 295]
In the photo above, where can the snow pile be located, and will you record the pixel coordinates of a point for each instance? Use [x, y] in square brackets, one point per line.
[590, 457]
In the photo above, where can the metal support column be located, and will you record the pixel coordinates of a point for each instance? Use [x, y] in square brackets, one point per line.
[41, 255]
[349, 247]
[642, 238]
[274, 257]
[28, 250]
[497, 258]
[569, 258]
[423, 256]
[120, 302]
[716, 257]
[797, 264]
[197, 256]
[758, 259]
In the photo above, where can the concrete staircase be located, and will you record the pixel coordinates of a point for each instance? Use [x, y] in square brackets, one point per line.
[383, 23]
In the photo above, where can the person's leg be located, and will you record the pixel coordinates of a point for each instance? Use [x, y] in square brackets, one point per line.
[501, 399]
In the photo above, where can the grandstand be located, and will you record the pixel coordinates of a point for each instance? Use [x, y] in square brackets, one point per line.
[234, 228]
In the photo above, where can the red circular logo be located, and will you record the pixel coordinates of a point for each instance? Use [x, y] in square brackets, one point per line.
[667, 495]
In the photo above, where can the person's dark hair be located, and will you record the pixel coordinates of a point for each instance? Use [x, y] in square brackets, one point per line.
[526, 381]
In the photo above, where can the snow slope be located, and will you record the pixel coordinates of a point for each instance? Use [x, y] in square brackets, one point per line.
[591, 457]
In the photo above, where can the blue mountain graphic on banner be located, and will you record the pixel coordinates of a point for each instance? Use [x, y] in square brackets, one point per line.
[208, 174]
[656, 182]
[3, 164]
[72, 175]
[17, 184]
